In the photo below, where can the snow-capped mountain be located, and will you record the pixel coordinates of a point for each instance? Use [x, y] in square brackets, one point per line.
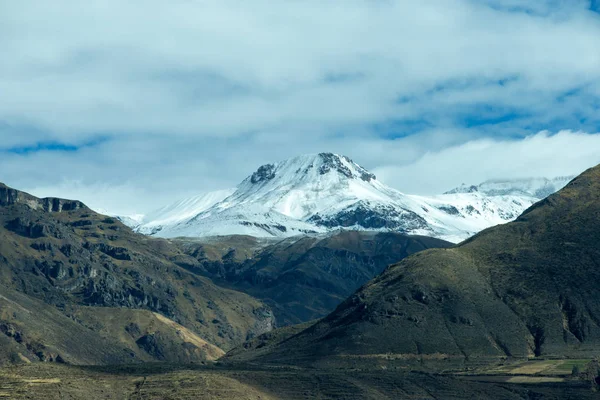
[539, 188]
[325, 192]
[179, 212]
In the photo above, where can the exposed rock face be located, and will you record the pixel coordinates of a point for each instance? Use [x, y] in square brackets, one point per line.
[118, 253]
[153, 345]
[32, 229]
[451, 210]
[265, 322]
[60, 205]
[376, 217]
[333, 162]
[9, 196]
[266, 227]
[264, 173]
[367, 176]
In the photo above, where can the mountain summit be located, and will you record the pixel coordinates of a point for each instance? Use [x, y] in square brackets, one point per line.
[322, 192]
[310, 167]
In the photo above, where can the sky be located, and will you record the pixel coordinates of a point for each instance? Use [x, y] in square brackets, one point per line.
[131, 105]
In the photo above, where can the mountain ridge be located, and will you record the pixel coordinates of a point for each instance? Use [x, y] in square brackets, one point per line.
[65, 268]
[538, 188]
[323, 192]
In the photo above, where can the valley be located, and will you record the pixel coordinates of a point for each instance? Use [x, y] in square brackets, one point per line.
[301, 278]
[298, 200]
[163, 381]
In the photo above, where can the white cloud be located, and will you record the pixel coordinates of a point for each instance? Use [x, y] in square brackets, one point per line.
[192, 95]
[130, 177]
[229, 67]
[541, 155]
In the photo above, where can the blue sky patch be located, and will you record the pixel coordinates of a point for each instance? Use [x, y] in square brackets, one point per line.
[489, 115]
[54, 146]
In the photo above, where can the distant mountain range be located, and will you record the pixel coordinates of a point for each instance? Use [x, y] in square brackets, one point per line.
[326, 192]
[538, 188]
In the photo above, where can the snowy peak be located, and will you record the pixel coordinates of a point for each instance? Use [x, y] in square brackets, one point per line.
[323, 192]
[276, 200]
[333, 163]
[309, 168]
[538, 188]
[302, 186]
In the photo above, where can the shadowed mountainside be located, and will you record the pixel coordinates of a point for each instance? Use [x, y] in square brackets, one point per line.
[88, 274]
[302, 278]
[525, 289]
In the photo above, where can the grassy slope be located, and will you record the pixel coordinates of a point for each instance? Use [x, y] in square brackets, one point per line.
[33, 330]
[63, 254]
[264, 343]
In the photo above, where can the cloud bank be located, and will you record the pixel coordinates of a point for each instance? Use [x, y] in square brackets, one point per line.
[135, 103]
[542, 155]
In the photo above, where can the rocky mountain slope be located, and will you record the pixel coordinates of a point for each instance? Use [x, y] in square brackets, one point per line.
[31, 330]
[324, 192]
[303, 277]
[64, 268]
[525, 289]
